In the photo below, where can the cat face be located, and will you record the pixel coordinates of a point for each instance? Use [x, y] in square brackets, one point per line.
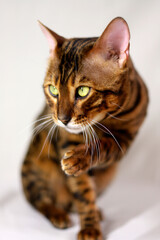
[86, 79]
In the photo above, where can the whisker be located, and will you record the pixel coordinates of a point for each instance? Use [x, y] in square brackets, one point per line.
[46, 140]
[83, 130]
[96, 141]
[116, 117]
[85, 137]
[53, 130]
[57, 129]
[91, 143]
[101, 126]
[97, 144]
[41, 126]
[118, 105]
[44, 117]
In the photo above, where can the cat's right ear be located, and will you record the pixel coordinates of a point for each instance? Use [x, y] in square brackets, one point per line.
[53, 38]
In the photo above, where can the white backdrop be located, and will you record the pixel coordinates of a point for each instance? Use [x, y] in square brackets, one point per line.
[23, 60]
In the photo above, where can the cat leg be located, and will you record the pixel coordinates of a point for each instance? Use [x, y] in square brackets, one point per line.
[102, 177]
[82, 188]
[42, 178]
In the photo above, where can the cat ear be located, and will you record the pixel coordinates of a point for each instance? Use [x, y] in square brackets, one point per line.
[114, 41]
[53, 38]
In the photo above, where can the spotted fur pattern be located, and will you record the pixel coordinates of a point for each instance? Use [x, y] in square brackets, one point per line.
[65, 171]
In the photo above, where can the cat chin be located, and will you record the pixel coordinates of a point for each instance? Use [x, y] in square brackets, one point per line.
[73, 130]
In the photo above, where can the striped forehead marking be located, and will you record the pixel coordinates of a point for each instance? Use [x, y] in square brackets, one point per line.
[71, 56]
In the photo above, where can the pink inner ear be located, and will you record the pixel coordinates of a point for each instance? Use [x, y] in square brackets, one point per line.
[118, 36]
[51, 40]
[115, 38]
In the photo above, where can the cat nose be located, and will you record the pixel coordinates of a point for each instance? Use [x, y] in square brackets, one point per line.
[64, 119]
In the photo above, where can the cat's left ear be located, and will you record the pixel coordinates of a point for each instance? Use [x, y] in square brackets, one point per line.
[114, 41]
[53, 38]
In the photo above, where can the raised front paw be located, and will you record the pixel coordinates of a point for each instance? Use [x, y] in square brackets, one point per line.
[76, 161]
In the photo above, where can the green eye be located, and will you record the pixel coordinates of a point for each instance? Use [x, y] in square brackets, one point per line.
[83, 91]
[53, 90]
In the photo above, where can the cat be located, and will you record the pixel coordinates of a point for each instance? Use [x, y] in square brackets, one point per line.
[98, 101]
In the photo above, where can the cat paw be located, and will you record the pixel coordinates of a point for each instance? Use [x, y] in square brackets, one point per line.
[60, 219]
[75, 162]
[57, 216]
[90, 234]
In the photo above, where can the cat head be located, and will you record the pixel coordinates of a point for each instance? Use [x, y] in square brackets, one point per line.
[86, 80]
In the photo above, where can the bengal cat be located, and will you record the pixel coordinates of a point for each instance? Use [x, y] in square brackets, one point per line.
[95, 104]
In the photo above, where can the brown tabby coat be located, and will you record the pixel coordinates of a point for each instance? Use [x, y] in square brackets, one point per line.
[67, 169]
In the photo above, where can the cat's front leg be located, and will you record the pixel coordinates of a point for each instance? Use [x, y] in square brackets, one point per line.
[84, 197]
[77, 161]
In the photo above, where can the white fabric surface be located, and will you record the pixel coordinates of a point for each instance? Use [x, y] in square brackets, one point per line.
[131, 205]
[131, 213]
